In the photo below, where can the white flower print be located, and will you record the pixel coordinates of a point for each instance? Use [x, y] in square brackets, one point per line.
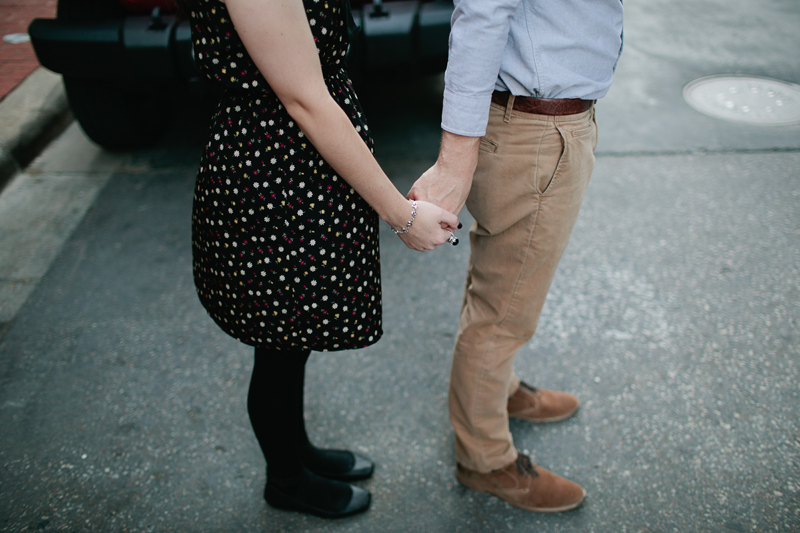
[237, 259]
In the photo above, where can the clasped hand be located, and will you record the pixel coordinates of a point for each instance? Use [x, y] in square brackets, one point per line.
[439, 196]
[431, 227]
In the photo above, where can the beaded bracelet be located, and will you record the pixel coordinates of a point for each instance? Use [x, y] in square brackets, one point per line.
[408, 224]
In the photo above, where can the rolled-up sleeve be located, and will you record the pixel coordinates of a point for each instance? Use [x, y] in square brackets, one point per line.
[478, 37]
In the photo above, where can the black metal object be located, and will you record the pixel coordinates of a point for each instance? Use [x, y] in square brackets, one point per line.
[377, 10]
[119, 67]
[398, 34]
[407, 36]
[156, 22]
[133, 48]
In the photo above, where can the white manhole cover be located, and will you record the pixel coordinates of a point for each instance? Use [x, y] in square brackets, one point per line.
[752, 100]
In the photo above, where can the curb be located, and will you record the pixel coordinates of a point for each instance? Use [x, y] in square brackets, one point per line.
[32, 115]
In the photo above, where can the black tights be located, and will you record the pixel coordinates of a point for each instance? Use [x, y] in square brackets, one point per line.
[275, 405]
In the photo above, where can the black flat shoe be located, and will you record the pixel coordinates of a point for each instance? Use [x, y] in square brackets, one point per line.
[361, 469]
[359, 502]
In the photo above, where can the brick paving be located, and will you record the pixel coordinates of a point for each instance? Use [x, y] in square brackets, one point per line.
[19, 60]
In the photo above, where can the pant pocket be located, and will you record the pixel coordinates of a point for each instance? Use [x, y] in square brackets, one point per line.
[501, 192]
[552, 152]
[576, 160]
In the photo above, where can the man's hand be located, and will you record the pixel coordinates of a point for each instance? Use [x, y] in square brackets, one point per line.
[447, 182]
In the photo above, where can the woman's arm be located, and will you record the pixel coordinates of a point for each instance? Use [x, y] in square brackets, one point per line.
[278, 38]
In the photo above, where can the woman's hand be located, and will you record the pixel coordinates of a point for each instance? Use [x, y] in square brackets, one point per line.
[431, 227]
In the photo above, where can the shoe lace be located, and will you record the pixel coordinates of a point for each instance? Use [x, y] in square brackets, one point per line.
[525, 466]
[531, 388]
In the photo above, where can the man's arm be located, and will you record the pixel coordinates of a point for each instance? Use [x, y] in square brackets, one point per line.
[447, 183]
[478, 38]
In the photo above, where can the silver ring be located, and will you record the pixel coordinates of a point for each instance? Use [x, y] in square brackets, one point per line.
[452, 239]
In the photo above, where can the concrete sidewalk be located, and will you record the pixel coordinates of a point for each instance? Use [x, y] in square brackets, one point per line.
[33, 106]
[32, 115]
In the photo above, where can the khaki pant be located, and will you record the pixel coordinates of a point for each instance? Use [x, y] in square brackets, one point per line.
[532, 173]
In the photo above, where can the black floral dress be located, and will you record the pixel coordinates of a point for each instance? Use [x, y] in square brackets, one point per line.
[285, 252]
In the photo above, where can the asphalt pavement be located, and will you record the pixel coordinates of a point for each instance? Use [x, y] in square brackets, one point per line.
[674, 316]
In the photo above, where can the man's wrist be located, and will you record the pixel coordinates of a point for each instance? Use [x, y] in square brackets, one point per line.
[458, 154]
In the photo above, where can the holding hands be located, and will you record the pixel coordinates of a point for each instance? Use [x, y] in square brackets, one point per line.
[442, 190]
[428, 227]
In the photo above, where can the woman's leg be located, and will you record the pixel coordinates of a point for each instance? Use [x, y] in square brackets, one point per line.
[272, 406]
[275, 405]
[334, 464]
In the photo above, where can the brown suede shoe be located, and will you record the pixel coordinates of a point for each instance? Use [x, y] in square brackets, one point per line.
[541, 405]
[525, 485]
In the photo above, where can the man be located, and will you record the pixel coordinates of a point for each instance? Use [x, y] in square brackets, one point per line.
[521, 80]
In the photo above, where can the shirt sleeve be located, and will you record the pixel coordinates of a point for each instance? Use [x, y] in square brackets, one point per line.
[478, 37]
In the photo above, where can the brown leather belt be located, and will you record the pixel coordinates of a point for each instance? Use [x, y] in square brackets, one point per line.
[543, 106]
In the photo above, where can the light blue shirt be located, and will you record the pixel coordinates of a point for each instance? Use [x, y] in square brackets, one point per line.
[542, 48]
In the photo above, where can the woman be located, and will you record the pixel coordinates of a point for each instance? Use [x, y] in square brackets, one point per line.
[284, 227]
